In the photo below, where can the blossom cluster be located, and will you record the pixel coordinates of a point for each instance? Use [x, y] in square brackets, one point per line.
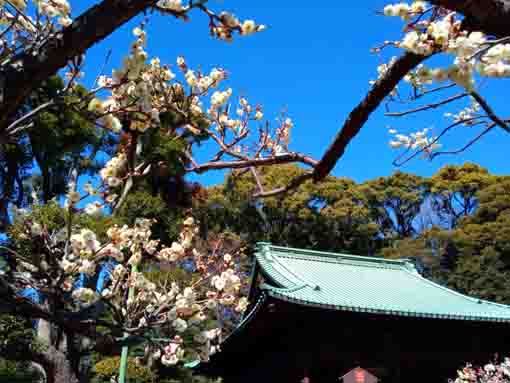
[229, 23]
[431, 29]
[113, 170]
[497, 372]
[22, 30]
[185, 311]
[467, 115]
[417, 140]
[144, 90]
[441, 32]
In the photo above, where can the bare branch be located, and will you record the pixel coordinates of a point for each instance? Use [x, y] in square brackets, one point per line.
[428, 106]
[426, 148]
[11, 129]
[257, 179]
[294, 183]
[240, 164]
[426, 92]
[125, 191]
[469, 144]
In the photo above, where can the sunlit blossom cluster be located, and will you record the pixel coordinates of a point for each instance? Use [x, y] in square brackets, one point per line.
[431, 29]
[54, 8]
[228, 23]
[496, 372]
[467, 115]
[143, 90]
[114, 169]
[417, 140]
[21, 28]
[186, 310]
[441, 32]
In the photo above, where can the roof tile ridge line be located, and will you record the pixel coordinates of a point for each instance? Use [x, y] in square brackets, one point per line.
[337, 255]
[451, 291]
[414, 314]
[267, 269]
[351, 260]
[292, 272]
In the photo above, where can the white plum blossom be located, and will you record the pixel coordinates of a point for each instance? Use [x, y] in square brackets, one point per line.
[180, 325]
[248, 27]
[496, 372]
[85, 295]
[93, 208]
[36, 229]
[172, 5]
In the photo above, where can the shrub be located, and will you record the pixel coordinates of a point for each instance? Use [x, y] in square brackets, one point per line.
[107, 368]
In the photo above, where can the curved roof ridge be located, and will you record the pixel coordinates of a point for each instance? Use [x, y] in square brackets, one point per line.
[328, 254]
[291, 275]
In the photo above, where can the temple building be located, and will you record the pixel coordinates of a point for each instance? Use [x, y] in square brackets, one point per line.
[315, 316]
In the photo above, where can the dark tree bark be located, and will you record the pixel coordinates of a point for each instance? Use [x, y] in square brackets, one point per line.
[489, 16]
[359, 115]
[59, 367]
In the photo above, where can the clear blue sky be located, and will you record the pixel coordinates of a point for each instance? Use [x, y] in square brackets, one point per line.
[313, 60]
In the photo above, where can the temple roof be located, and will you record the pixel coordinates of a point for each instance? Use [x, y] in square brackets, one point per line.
[365, 284]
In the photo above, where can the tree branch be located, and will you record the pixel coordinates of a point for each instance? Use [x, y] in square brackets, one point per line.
[428, 106]
[469, 144]
[490, 113]
[359, 115]
[488, 16]
[294, 183]
[89, 28]
[240, 164]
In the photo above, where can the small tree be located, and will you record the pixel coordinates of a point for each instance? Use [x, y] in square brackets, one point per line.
[61, 248]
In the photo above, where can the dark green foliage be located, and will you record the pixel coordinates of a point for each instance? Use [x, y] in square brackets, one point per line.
[16, 372]
[142, 203]
[394, 202]
[336, 214]
[60, 139]
[455, 189]
[16, 341]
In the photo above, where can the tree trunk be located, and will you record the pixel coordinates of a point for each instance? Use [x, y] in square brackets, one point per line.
[59, 368]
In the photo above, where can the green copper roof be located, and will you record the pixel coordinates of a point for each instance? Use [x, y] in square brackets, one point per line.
[366, 284]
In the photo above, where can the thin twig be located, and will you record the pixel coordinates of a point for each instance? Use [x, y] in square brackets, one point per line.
[11, 128]
[470, 143]
[428, 106]
[294, 183]
[434, 141]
